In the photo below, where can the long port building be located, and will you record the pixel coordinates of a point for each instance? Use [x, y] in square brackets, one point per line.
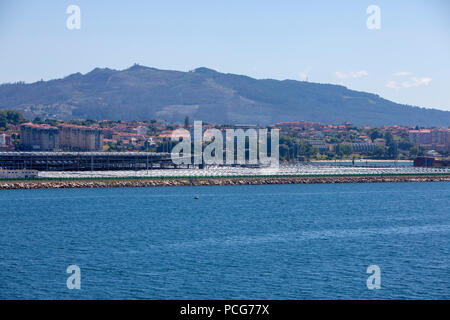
[84, 161]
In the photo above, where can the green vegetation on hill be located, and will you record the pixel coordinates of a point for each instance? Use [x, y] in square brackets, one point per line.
[204, 94]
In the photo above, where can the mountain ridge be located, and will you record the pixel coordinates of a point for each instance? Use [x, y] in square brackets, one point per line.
[140, 92]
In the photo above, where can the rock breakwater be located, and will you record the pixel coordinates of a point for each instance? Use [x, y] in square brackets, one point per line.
[219, 181]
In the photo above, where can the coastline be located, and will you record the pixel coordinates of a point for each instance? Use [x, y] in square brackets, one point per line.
[214, 181]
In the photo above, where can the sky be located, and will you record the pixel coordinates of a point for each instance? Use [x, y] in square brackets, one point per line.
[406, 59]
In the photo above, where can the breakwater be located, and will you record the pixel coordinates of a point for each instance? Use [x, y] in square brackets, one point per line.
[217, 181]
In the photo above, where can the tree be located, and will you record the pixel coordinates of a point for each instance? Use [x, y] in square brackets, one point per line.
[405, 144]
[379, 152]
[414, 151]
[303, 148]
[392, 151]
[375, 134]
[389, 138]
[51, 122]
[89, 122]
[3, 123]
[37, 120]
[10, 117]
[284, 152]
[343, 149]
[14, 117]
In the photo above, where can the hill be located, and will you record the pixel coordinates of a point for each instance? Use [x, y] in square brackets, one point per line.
[203, 94]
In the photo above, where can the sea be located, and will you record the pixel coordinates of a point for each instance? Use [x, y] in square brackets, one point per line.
[316, 241]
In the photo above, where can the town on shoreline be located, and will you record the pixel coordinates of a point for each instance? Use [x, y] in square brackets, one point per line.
[298, 141]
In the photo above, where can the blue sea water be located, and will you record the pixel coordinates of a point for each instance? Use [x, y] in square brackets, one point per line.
[237, 242]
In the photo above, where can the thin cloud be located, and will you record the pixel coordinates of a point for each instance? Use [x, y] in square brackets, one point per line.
[392, 84]
[410, 83]
[402, 74]
[416, 82]
[352, 74]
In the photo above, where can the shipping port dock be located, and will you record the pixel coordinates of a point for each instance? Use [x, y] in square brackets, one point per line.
[84, 161]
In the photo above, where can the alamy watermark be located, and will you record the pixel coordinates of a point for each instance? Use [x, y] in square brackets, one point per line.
[73, 22]
[248, 146]
[373, 22]
[74, 280]
[374, 280]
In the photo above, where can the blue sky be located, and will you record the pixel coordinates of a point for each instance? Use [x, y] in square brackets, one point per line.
[407, 60]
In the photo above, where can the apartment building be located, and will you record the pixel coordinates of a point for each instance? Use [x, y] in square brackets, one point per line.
[63, 137]
[80, 138]
[436, 138]
[39, 137]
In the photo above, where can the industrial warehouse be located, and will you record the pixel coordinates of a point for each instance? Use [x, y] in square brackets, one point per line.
[84, 161]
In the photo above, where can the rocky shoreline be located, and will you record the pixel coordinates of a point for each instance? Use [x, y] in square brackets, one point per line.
[222, 181]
